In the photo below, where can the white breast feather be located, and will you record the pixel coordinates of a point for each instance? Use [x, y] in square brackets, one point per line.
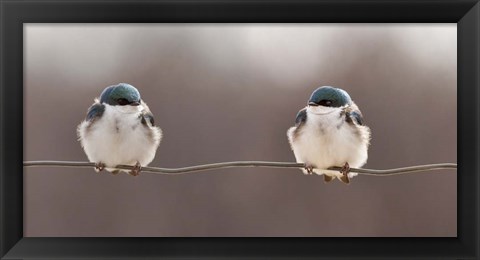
[119, 137]
[321, 144]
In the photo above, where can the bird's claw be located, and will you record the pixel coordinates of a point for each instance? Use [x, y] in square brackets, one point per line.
[136, 169]
[344, 171]
[309, 169]
[99, 166]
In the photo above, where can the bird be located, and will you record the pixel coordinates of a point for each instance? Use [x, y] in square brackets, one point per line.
[119, 129]
[330, 131]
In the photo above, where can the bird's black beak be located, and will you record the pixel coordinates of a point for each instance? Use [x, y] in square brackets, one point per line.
[135, 103]
[313, 104]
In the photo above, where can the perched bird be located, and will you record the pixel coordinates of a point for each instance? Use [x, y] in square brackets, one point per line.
[329, 132]
[119, 129]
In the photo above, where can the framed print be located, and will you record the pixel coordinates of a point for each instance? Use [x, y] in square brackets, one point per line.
[243, 84]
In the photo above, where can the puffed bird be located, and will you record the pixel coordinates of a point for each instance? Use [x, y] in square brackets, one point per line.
[119, 129]
[330, 131]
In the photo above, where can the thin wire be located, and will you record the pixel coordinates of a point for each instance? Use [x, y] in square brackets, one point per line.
[223, 165]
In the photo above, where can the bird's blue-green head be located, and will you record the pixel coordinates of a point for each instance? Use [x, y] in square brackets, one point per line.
[329, 97]
[122, 94]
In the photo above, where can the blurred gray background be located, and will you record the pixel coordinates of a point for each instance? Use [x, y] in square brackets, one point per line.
[229, 92]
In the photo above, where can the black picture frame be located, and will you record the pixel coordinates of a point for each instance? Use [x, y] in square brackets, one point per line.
[13, 13]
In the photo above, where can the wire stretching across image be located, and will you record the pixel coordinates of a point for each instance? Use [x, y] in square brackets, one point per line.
[214, 166]
[229, 92]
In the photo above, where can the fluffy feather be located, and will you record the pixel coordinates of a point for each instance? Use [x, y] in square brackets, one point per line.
[119, 137]
[326, 139]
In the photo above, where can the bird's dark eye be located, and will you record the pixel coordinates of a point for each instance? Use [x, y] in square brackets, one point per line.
[122, 102]
[325, 103]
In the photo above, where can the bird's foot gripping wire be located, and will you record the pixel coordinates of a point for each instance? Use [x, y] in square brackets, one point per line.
[344, 171]
[99, 166]
[136, 169]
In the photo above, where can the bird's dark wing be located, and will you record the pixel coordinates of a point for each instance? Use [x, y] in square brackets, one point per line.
[95, 111]
[147, 116]
[301, 117]
[357, 116]
[354, 115]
